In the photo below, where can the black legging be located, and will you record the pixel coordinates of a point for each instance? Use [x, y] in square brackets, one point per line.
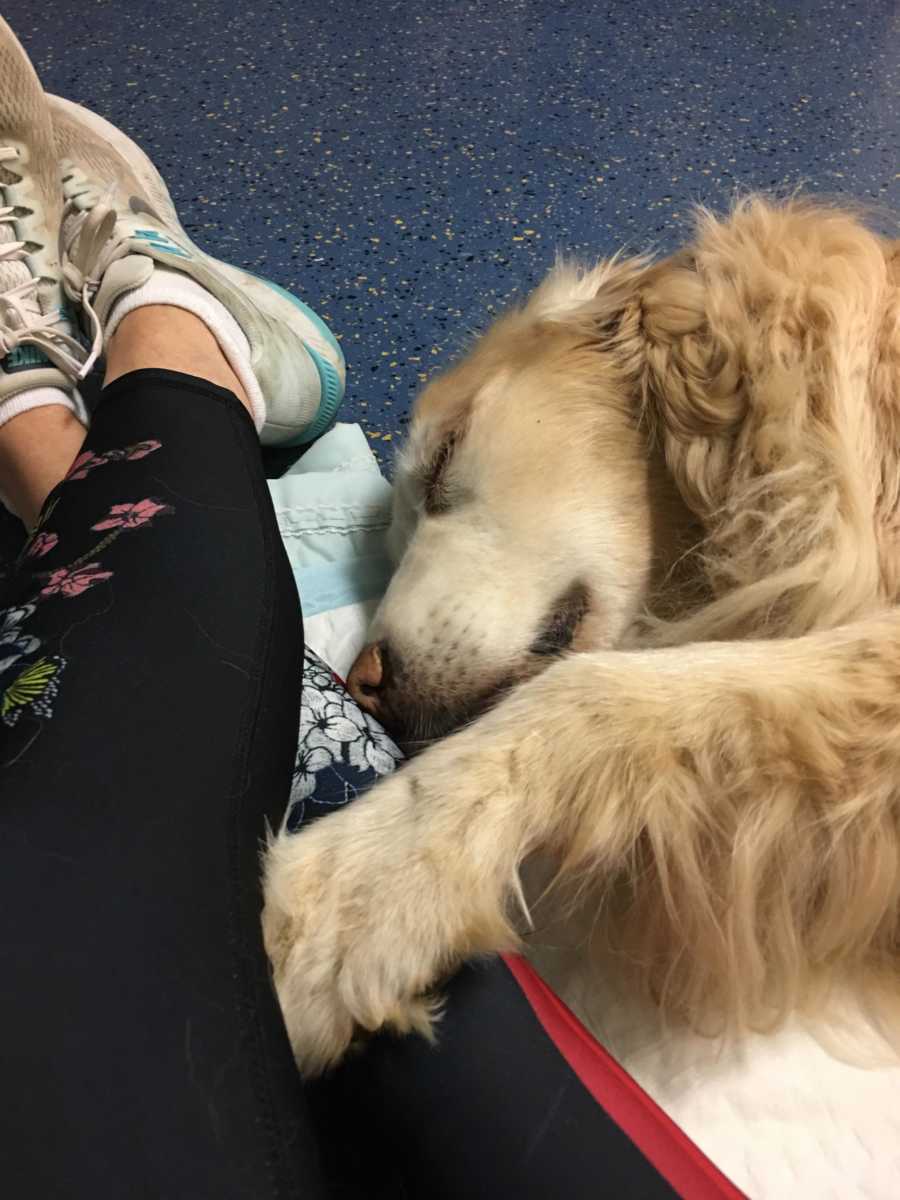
[143, 1052]
[150, 656]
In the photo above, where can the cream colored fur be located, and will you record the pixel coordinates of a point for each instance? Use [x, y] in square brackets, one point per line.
[710, 446]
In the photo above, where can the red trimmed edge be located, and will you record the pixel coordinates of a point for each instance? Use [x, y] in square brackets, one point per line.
[672, 1153]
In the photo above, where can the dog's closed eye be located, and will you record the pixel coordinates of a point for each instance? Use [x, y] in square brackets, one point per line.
[434, 478]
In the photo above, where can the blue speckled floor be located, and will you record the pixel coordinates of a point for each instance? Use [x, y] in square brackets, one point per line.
[406, 167]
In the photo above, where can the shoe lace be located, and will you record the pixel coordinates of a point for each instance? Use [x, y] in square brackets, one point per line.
[22, 322]
[88, 246]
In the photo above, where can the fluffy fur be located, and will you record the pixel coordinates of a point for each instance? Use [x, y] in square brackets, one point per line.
[706, 450]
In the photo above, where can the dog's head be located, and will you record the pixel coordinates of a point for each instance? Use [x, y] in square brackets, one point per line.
[529, 511]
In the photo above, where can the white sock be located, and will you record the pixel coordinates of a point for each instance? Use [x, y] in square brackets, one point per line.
[166, 286]
[23, 402]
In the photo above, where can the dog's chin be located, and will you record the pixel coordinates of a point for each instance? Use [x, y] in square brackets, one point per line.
[421, 725]
[416, 724]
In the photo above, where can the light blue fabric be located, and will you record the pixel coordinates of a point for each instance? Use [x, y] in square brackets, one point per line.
[333, 510]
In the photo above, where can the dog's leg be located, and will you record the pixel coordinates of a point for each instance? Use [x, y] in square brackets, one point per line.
[752, 790]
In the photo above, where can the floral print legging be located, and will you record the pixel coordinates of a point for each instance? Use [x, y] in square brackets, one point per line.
[150, 652]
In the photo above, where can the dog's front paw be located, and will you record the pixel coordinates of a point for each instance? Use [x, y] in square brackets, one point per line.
[374, 904]
[350, 926]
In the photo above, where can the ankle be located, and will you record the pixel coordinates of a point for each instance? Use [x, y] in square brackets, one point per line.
[164, 337]
[37, 448]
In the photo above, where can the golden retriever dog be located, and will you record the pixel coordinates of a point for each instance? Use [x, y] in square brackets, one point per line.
[648, 547]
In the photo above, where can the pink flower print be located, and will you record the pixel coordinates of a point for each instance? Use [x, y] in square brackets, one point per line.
[42, 544]
[130, 516]
[142, 449]
[68, 581]
[83, 463]
[88, 461]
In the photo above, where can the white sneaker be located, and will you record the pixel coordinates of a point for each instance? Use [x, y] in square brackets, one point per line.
[119, 222]
[38, 346]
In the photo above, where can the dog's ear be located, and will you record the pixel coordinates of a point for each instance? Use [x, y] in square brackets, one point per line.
[692, 380]
[693, 374]
[653, 319]
[591, 299]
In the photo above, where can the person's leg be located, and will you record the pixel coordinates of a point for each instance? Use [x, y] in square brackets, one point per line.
[160, 334]
[150, 648]
[147, 734]
[36, 450]
[38, 447]
[492, 1109]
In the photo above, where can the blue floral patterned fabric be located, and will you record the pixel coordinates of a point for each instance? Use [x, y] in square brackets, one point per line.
[341, 751]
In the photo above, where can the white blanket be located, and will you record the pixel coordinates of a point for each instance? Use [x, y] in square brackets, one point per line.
[333, 508]
[786, 1116]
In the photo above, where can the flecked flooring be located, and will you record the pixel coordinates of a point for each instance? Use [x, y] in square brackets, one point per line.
[408, 167]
